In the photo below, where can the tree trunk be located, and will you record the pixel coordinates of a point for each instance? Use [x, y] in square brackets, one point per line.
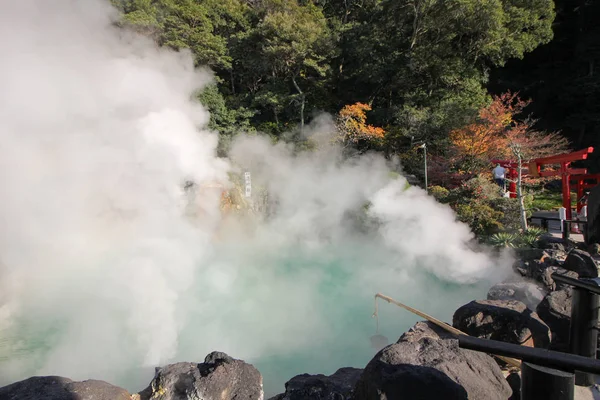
[232, 82]
[520, 194]
[302, 102]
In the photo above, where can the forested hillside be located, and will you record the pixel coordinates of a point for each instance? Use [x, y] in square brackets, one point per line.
[563, 77]
[422, 65]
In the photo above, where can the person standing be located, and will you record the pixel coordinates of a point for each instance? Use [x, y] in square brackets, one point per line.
[499, 175]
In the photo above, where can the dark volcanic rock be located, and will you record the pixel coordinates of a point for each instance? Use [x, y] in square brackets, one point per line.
[529, 254]
[555, 311]
[405, 381]
[549, 243]
[338, 386]
[529, 293]
[426, 363]
[220, 377]
[581, 262]
[504, 320]
[541, 271]
[547, 277]
[58, 388]
[514, 380]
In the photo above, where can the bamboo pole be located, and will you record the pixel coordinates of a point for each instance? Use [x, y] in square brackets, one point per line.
[449, 328]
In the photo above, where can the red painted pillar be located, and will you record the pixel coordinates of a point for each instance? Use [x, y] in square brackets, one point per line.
[512, 187]
[566, 189]
[579, 195]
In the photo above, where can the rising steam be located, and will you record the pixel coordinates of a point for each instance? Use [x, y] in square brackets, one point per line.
[108, 267]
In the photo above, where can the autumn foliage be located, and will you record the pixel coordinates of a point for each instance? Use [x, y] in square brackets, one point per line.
[352, 124]
[485, 138]
[497, 132]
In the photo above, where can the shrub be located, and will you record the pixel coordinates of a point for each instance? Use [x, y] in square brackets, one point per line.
[503, 239]
[482, 219]
[531, 236]
[439, 193]
[517, 239]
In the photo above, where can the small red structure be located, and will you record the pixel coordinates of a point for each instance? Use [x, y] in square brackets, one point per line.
[579, 176]
[567, 173]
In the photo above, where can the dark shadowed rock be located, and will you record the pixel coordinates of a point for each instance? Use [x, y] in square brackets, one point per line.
[555, 311]
[547, 277]
[551, 243]
[541, 271]
[504, 320]
[529, 254]
[514, 380]
[555, 256]
[529, 293]
[405, 381]
[220, 377]
[405, 370]
[582, 263]
[58, 388]
[338, 386]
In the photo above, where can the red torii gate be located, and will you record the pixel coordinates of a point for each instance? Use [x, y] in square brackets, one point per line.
[578, 175]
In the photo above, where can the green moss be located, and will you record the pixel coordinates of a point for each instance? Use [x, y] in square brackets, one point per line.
[547, 200]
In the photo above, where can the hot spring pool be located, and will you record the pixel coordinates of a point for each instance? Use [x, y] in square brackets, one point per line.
[287, 312]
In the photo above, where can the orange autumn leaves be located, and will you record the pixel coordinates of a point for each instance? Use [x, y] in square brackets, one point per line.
[488, 137]
[353, 127]
[497, 132]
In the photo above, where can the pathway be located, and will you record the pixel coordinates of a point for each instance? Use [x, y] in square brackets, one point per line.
[553, 226]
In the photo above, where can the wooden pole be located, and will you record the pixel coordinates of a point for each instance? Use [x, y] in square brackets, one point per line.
[449, 328]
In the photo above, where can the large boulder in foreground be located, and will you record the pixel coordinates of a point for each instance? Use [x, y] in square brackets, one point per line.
[529, 293]
[219, 377]
[426, 363]
[503, 320]
[59, 388]
[581, 262]
[338, 386]
[555, 311]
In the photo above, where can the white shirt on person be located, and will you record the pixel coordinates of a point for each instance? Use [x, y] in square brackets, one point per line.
[499, 172]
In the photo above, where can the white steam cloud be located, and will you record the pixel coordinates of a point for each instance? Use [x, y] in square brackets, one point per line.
[104, 272]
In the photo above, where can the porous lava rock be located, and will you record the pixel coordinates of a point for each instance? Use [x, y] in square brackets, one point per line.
[503, 320]
[59, 388]
[338, 386]
[555, 311]
[219, 377]
[582, 263]
[426, 363]
[529, 293]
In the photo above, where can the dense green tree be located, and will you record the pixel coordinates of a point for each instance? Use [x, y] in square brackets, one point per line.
[205, 27]
[293, 46]
[421, 65]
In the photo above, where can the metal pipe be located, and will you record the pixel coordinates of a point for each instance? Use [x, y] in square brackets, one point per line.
[541, 383]
[424, 146]
[578, 283]
[583, 333]
[548, 358]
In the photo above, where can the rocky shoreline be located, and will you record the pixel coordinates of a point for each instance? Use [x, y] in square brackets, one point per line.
[426, 362]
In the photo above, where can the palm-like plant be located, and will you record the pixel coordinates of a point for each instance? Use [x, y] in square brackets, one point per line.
[504, 239]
